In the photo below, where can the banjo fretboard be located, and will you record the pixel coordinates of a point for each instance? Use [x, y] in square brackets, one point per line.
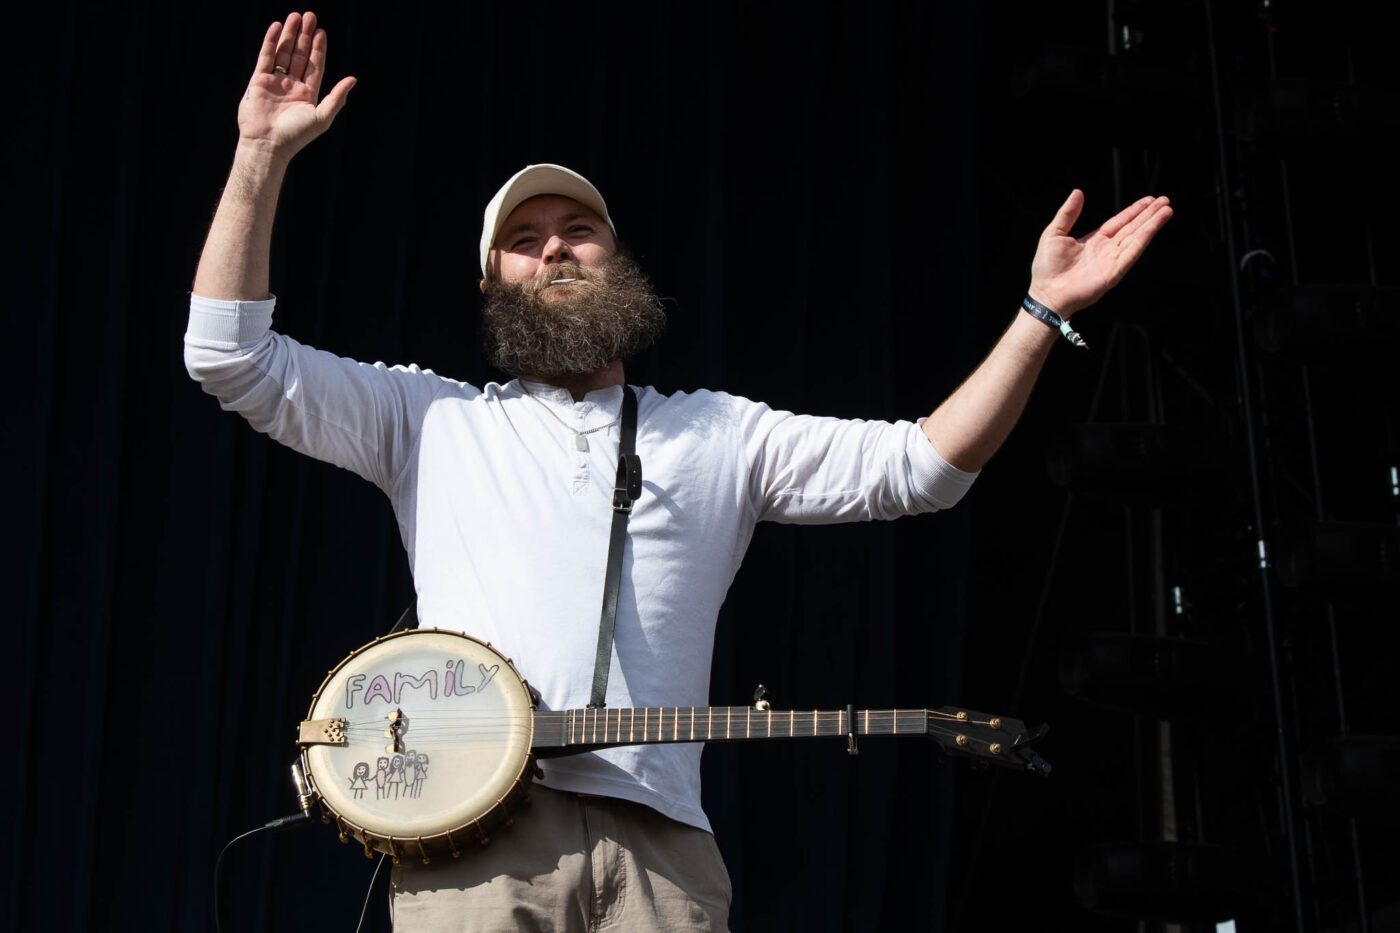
[598, 728]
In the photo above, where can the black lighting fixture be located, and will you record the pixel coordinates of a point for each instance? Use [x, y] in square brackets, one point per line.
[1340, 559]
[1171, 882]
[1356, 775]
[1119, 99]
[1148, 675]
[1324, 323]
[1299, 110]
[1136, 463]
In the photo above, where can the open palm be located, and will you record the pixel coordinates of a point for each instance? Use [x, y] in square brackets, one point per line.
[280, 109]
[1069, 273]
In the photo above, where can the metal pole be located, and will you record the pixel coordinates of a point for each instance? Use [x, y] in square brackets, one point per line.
[1256, 492]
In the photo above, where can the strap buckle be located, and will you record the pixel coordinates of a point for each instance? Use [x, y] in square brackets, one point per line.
[629, 482]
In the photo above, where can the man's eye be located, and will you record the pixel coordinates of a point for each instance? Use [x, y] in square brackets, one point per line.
[581, 230]
[526, 241]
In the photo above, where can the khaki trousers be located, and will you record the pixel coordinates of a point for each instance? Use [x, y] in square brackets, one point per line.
[572, 863]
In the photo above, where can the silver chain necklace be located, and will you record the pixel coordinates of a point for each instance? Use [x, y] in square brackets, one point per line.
[580, 438]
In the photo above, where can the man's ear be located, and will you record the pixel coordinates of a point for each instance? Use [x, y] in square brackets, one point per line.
[493, 266]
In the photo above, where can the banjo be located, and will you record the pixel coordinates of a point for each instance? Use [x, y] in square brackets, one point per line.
[424, 742]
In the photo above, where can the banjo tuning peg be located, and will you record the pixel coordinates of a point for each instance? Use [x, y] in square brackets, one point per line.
[759, 703]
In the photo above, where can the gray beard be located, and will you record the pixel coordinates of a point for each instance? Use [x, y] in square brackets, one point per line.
[610, 313]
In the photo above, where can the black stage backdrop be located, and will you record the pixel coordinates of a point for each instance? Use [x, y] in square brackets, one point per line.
[841, 204]
[799, 182]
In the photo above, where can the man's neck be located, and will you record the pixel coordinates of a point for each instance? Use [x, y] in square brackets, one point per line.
[581, 385]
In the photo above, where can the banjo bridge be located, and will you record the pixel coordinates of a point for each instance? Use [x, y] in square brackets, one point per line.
[322, 732]
[398, 725]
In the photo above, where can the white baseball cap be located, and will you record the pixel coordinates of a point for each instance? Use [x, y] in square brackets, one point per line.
[533, 180]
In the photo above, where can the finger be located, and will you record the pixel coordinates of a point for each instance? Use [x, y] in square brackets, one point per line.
[301, 52]
[316, 63]
[287, 42]
[268, 52]
[328, 108]
[1123, 217]
[1152, 209]
[1066, 215]
[1137, 241]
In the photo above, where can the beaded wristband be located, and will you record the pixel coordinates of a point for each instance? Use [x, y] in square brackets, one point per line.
[1051, 319]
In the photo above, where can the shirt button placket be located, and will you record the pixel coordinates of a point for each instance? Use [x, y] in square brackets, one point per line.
[580, 461]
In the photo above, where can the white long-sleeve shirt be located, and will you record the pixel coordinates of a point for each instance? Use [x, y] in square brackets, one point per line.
[506, 523]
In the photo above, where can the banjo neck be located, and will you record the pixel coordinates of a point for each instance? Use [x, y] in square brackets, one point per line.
[960, 732]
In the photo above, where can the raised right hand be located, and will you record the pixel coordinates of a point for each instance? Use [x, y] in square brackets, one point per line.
[279, 112]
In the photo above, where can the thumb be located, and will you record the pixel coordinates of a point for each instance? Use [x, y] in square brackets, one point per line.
[1066, 215]
[331, 104]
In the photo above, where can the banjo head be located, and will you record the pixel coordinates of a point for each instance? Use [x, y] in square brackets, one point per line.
[436, 742]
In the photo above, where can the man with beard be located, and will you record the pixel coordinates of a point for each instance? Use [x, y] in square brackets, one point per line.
[503, 493]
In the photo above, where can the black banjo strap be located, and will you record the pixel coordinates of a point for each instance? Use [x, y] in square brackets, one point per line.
[626, 490]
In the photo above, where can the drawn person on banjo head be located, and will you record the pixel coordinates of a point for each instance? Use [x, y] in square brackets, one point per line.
[421, 766]
[410, 773]
[564, 307]
[396, 775]
[381, 772]
[357, 780]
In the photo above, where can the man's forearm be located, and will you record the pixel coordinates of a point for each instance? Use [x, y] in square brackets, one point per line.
[234, 264]
[974, 421]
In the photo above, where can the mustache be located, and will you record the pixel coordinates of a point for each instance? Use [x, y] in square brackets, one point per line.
[568, 269]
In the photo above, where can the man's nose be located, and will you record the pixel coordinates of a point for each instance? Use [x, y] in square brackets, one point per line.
[556, 250]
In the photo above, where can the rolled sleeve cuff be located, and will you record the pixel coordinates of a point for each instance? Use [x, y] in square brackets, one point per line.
[222, 324]
[938, 481]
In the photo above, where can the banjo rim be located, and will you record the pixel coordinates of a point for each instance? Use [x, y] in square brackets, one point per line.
[450, 841]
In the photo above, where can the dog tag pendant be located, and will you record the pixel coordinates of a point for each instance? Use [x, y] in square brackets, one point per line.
[580, 443]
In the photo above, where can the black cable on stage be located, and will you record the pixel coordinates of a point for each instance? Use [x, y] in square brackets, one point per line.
[281, 823]
[369, 890]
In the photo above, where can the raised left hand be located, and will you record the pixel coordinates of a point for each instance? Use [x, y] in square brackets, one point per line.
[1069, 274]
